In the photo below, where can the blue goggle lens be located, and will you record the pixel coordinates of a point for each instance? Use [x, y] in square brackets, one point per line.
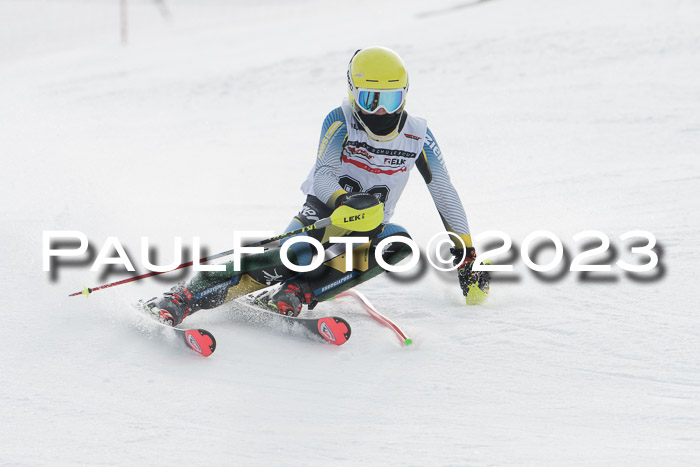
[372, 100]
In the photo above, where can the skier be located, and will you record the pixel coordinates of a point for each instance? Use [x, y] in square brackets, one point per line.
[367, 148]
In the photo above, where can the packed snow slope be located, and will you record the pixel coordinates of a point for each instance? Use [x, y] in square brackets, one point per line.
[558, 116]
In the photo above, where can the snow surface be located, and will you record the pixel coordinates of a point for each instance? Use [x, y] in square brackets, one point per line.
[565, 116]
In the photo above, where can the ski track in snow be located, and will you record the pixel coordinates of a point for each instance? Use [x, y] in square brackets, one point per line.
[551, 115]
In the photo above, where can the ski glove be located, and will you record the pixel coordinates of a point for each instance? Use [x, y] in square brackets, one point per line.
[474, 284]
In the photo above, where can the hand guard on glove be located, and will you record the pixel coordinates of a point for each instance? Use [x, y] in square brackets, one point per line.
[474, 284]
[364, 204]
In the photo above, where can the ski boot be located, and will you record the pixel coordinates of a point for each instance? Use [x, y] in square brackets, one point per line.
[174, 306]
[286, 299]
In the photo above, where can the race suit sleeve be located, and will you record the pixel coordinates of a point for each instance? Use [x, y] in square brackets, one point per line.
[432, 167]
[328, 160]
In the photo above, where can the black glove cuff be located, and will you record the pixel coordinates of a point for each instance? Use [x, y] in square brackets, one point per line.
[459, 255]
[339, 200]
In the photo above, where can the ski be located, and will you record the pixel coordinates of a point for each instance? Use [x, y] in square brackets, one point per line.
[332, 329]
[199, 340]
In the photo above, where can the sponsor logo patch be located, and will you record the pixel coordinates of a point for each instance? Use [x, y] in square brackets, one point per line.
[193, 342]
[326, 331]
[356, 146]
[354, 218]
[333, 284]
[433, 145]
[309, 213]
[374, 170]
[271, 278]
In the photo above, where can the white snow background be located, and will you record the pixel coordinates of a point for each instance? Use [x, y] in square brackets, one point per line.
[564, 116]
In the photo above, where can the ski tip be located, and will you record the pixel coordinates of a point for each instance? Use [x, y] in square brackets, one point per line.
[408, 342]
[201, 341]
[335, 330]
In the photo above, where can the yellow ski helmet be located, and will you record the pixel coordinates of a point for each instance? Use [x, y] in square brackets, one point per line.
[377, 79]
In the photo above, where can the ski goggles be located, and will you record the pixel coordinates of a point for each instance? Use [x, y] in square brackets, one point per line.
[371, 100]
